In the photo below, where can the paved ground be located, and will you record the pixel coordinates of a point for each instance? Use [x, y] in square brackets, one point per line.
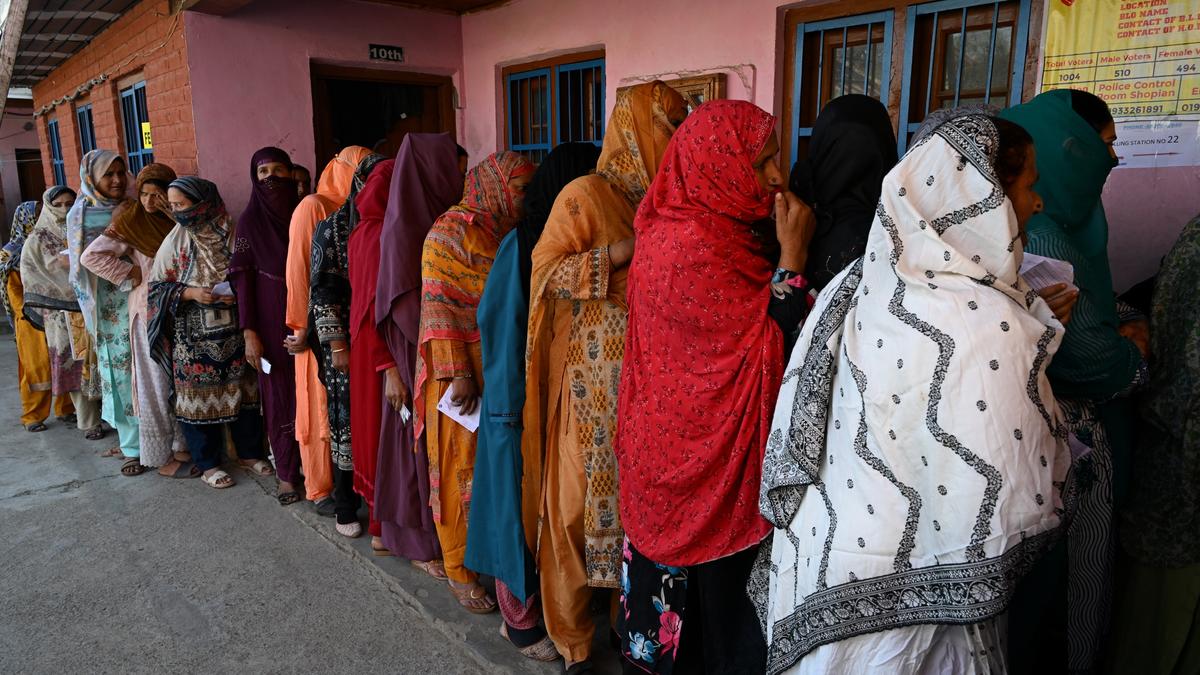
[103, 573]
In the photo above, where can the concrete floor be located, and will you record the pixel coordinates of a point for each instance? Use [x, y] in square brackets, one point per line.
[108, 574]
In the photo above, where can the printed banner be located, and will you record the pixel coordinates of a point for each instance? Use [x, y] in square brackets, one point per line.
[1143, 58]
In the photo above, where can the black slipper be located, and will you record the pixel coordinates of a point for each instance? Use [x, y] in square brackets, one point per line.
[288, 498]
[581, 668]
[35, 427]
[325, 507]
[186, 470]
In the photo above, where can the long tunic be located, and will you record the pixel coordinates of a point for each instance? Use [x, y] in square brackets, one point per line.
[33, 360]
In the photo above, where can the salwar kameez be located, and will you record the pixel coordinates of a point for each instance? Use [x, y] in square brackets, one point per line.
[33, 359]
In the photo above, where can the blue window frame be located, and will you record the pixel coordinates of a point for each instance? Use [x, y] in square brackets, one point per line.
[848, 55]
[56, 155]
[960, 52]
[133, 115]
[87, 132]
[555, 104]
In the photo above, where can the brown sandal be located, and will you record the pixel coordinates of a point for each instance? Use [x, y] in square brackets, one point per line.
[132, 467]
[471, 594]
[434, 568]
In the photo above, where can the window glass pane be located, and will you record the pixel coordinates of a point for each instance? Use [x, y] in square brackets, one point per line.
[975, 60]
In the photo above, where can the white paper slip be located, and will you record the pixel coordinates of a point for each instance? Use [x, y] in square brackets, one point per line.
[223, 290]
[1041, 272]
[405, 415]
[264, 365]
[470, 422]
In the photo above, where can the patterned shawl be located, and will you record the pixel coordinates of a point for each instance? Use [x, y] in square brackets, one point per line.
[458, 255]
[916, 463]
[261, 243]
[133, 224]
[10, 255]
[698, 326]
[643, 120]
[43, 271]
[195, 254]
[329, 281]
[88, 218]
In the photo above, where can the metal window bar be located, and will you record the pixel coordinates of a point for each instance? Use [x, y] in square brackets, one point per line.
[56, 157]
[133, 115]
[579, 102]
[528, 100]
[816, 31]
[1020, 39]
[87, 131]
[962, 51]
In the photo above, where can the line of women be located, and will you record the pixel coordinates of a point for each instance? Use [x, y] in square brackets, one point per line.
[812, 426]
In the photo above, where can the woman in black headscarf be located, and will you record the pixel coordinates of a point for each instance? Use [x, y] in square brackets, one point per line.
[852, 149]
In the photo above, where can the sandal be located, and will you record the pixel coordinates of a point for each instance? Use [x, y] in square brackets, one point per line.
[378, 548]
[35, 427]
[350, 530]
[132, 467]
[474, 598]
[288, 498]
[434, 568]
[219, 480]
[325, 507]
[181, 470]
[542, 650]
[69, 419]
[259, 467]
[114, 451]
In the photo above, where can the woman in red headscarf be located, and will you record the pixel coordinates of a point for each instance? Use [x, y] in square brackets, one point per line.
[455, 263]
[703, 361]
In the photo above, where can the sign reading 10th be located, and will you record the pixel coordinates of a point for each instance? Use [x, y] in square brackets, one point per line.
[386, 53]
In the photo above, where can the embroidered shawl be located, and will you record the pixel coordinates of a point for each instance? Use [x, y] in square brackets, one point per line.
[916, 464]
[86, 220]
[10, 256]
[43, 270]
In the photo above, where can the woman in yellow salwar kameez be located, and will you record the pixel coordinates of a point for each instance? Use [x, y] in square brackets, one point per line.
[455, 262]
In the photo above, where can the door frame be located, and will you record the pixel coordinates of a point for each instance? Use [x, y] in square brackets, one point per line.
[321, 73]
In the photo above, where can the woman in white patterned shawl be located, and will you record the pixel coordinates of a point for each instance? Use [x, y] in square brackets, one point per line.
[916, 463]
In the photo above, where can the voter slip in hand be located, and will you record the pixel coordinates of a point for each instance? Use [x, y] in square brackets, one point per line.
[454, 412]
[1041, 272]
[223, 290]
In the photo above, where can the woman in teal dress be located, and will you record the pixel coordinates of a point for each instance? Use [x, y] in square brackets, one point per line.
[1093, 372]
[103, 180]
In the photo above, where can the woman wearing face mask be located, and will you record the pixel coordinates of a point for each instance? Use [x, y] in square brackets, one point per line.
[455, 262]
[194, 334]
[103, 180]
[703, 359]
[48, 293]
[123, 256]
[916, 460]
[257, 274]
[1093, 372]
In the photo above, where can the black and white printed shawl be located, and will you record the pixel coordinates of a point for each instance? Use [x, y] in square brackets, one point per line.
[916, 463]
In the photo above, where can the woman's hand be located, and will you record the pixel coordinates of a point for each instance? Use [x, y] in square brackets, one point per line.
[620, 253]
[1137, 332]
[203, 296]
[464, 393]
[1061, 301]
[394, 389]
[340, 355]
[795, 224]
[135, 273]
[254, 348]
[295, 345]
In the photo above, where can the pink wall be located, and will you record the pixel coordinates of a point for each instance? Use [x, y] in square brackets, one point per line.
[13, 136]
[640, 38]
[250, 73]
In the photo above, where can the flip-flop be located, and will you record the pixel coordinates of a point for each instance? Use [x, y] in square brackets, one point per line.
[132, 467]
[470, 593]
[184, 470]
[260, 467]
[288, 498]
[214, 481]
[35, 427]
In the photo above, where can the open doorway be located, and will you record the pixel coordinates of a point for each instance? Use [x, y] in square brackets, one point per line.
[376, 108]
[29, 174]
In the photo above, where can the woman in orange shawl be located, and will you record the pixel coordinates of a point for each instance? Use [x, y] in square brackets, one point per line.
[312, 422]
[576, 346]
[455, 262]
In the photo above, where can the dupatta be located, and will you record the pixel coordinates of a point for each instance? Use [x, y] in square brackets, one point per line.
[43, 271]
[10, 255]
[87, 219]
[133, 224]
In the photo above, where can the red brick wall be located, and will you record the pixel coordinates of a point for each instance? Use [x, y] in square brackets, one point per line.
[148, 39]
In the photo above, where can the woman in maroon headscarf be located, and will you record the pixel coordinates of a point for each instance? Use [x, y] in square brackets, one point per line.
[257, 275]
[396, 207]
[703, 364]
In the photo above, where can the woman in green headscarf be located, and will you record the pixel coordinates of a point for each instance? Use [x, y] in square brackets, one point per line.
[1097, 366]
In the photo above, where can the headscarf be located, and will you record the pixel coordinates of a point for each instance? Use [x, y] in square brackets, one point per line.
[852, 149]
[1095, 362]
[44, 277]
[329, 280]
[458, 255]
[133, 224]
[10, 256]
[261, 242]
[564, 164]
[699, 334]
[917, 457]
[638, 130]
[195, 254]
[89, 218]
[425, 183]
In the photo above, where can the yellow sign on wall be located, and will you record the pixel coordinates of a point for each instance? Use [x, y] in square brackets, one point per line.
[147, 143]
[1143, 58]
